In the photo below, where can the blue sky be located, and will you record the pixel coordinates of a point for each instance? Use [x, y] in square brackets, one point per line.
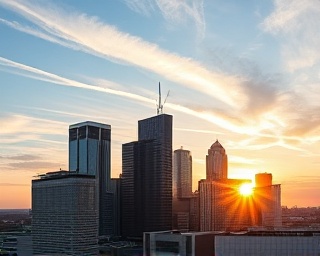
[246, 73]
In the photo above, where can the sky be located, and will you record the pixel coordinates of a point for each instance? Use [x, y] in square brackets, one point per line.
[245, 73]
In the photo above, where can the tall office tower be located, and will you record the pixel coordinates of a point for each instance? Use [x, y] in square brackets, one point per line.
[222, 208]
[115, 190]
[194, 212]
[182, 173]
[268, 200]
[182, 189]
[216, 162]
[64, 214]
[89, 153]
[147, 178]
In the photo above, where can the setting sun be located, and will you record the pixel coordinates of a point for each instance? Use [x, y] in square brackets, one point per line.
[246, 189]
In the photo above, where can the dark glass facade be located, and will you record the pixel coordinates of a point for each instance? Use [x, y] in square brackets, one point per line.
[147, 178]
[89, 153]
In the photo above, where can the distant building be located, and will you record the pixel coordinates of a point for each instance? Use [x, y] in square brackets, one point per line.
[268, 201]
[64, 214]
[216, 162]
[194, 212]
[182, 189]
[115, 190]
[147, 178]
[182, 173]
[223, 208]
[89, 153]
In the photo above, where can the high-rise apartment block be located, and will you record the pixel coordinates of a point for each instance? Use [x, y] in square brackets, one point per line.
[216, 162]
[64, 214]
[89, 153]
[147, 178]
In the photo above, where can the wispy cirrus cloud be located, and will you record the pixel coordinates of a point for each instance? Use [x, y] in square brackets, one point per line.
[250, 106]
[89, 34]
[173, 11]
[296, 23]
[264, 129]
[21, 157]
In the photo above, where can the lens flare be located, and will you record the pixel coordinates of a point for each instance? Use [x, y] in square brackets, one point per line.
[246, 189]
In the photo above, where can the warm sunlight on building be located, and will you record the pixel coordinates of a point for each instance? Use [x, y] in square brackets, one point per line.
[246, 189]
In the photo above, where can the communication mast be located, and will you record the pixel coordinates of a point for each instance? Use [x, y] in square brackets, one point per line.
[160, 104]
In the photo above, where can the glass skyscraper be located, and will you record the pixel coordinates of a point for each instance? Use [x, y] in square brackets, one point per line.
[89, 153]
[147, 178]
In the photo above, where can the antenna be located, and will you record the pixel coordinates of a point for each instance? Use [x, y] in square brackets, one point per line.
[160, 105]
[159, 108]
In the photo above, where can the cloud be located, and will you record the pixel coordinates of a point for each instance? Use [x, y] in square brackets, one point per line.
[197, 131]
[173, 11]
[250, 104]
[34, 165]
[20, 124]
[296, 23]
[242, 160]
[89, 34]
[236, 125]
[21, 157]
[14, 185]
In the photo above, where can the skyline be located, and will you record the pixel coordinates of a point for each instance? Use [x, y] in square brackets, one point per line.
[246, 74]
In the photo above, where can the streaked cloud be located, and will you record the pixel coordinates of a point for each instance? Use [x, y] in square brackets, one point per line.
[89, 34]
[21, 157]
[14, 185]
[296, 23]
[175, 11]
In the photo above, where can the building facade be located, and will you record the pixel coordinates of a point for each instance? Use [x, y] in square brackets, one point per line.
[216, 162]
[147, 178]
[223, 208]
[257, 243]
[268, 201]
[64, 214]
[182, 189]
[182, 173]
[262, 243]
[90, 153]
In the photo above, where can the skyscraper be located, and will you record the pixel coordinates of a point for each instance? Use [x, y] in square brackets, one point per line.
[89, 153]
[182, 173]
[147, 178]
[268, 200]
[182, 189]
[216, 162]
[64, 214]
[222, 207]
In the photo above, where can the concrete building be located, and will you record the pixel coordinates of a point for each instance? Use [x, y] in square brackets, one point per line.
[182, 174]
[265, 243]
[147, 178]
[268, 201]
[257, 243]
[216, 162]
[222, 207]
[89, 153]
[194, 212]
[182, 189]
[64, 214]
[176, 243]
